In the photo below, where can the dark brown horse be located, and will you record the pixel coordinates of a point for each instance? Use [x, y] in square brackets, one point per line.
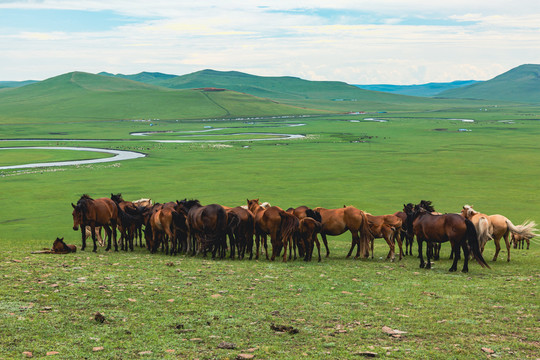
[447, 227]
[99, 212]
[303, 212]
[404, 234]
[337, 221]
[277, 223]
[60, 247]
[207, 224]
[129, 221]
[308, 229]
[166, 223]
[241, 228]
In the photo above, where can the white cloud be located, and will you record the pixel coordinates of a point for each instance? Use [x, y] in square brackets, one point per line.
[388, 41]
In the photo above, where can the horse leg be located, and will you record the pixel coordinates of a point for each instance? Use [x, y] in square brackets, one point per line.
[318, 246]
[466, 256]
[391, 254]
[420, 241]
[265, 244]
[325, 242]
[83, 234]
[286, 242]
[507, 241]
[497, 248]
[353, 244]
[456, 252]
[400, 243]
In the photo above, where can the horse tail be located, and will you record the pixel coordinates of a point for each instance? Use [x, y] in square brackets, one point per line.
[124, 218]
[289, 225]
[179, 220]
[484, 234]
[232, 221]
[472, 238]
[315, 215]
[527, 229]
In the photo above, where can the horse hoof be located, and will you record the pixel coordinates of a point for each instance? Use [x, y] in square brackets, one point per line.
[465, 270]
[452, 270]
[422, 266]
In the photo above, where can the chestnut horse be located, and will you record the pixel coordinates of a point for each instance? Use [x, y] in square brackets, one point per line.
[277, 223]
[441, 228]
[387, 227]
[207, 224]
[518, 241]
[495, 227]
[337, 221]
[99, 212]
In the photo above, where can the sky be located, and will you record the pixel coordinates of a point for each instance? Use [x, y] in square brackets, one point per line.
[356, 41]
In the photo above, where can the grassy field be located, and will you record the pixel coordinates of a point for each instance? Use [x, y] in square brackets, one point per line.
[156, 303]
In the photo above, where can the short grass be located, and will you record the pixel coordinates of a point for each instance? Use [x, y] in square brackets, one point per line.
[339, 305]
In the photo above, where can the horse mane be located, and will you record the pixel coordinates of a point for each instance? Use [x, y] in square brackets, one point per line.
[82, 204]
[426, 205]
[470, 210]
[314, 214]
[190, 203]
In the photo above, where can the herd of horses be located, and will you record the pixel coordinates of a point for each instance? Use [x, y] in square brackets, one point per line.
[189, 227]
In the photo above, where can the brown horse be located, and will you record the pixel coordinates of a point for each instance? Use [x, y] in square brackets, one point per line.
[387, 227]
[337, 221]
[308, 229]
[166, 224]
[441, 228]
[240, 228]
[207, 224]
[99, 212]
[129, 221]
[518, 241]
[404, 234]
[60, 247]
[277, 223]
[88, 234]
[497, 227]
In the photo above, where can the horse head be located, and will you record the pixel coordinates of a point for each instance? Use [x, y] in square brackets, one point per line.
[59, 245]
[253, 204]
[117, 198]
[467, 212]
[77, 216]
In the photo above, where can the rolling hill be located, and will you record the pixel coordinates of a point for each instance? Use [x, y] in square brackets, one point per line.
[429, 89]
[520, 84]
[83, 96]
[328, 95]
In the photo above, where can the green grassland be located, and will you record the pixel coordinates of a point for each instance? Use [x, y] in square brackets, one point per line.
[155, 303]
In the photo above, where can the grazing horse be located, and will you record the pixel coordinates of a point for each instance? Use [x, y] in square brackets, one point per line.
[60, 247]
[337, 221]
[277, 223]
[404, 234]
[207, 224]
[518, 241]
[99, 212]
[241, 228]
[441, 228]
[497, 226]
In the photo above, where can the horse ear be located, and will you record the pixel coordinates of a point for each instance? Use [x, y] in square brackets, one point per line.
[73, 205]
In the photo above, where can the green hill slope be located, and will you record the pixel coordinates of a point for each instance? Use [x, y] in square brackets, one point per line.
[521, 84]
[82, 96]
[429, 89]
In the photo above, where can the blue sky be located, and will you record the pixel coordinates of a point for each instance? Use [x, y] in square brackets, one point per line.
[360, 42]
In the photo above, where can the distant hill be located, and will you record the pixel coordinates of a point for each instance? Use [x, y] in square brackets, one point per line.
[146, 77]
[520, 84]
[14, 84]
[429, 89]
[77, 95]
[328, 95]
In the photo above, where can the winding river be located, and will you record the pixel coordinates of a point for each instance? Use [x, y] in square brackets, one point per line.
[121, 155]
